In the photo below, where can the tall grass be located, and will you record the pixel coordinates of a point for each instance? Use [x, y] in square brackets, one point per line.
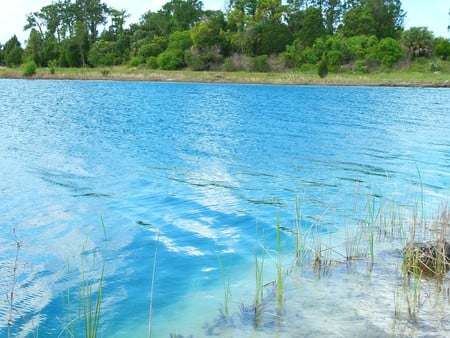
[279, 266]
[10, 296]
[226, 282]
[259, 280]
[90, 292]
[152, 288]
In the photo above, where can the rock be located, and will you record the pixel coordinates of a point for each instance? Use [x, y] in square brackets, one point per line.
[430, 258]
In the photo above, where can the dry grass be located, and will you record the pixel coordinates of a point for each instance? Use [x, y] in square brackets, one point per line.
[122, 73]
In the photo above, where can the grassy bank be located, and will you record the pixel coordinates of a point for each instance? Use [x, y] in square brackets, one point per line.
[120, 73]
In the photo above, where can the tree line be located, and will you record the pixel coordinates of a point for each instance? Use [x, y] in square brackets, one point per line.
[255, 35]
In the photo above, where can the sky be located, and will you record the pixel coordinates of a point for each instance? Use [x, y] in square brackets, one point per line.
[433, 14]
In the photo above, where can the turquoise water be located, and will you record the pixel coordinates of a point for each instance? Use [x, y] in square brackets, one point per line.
[189, 172]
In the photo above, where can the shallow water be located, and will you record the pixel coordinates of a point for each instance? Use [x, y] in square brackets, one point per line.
[191, 172]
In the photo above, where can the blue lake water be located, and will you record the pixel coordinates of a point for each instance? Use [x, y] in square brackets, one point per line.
[189, 172]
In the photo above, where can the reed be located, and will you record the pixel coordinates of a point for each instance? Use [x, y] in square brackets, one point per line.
[10, 296]
[299, 243]
[152, 288]
[279, 267]
[226, 282]
[259, 281]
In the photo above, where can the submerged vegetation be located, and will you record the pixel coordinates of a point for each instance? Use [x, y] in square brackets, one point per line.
[332, 36]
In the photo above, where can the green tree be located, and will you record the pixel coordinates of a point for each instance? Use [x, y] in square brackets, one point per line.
[2, 52]
[102, 53]
[418, 41]
[332, 10]
[13, 52]
[322, 69]
[92, 13]
[442, 48]
[209, 33]
[358, 21]
[268, 37]
[387, 52]
[388, 16]
[183, 14]
[382, 18]
[33, 51]
[313, 26]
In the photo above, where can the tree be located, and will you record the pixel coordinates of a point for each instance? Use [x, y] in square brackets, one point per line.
[209, 32]
[183, 14]
[91, 13]
[2, 52]
[388, 52]
[313, 26]
[388, 16]
[442, 48]
[33, 51]
[13, 52]
[322, 69]
[358, 21]
[268, 37]
[332, 13]
[382, 18]
[418, 41]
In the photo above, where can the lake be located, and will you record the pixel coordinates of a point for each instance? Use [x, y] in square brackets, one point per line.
[119, 175]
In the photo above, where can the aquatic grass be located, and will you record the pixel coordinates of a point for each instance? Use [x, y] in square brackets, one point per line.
[259, 280]
[10, 296]
[374, 218]
[152, 288]
[299, 243]
[279, 267]
[104, 228]
[226, 282]
[352, 244]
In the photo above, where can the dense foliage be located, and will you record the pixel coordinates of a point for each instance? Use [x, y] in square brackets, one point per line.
[258, 35]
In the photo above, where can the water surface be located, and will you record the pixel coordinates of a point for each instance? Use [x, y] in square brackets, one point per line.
[190, 171]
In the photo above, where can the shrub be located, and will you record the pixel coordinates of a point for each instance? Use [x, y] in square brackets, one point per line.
[334, 60]
[171, 59]
[29, 68]
[322, 69]
[361, 66]
[150, 49]
[152, 62]
[261, 64]
[53, 64]
[387, 52]
[442, 48]
[136, 61]
[204, 59]
[228, 65]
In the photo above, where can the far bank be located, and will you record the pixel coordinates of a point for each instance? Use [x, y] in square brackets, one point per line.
[120, 73]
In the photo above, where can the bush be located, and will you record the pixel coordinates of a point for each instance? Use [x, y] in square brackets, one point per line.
[29, 68]
[152, 62]
[261, 64]
[205, 59]
[361, 66]
[171, 59]
[136, 61]
[150, 49]
[387, 52]
[228, 65]
[322, 69]
[53, 64]
[334, 60]
[442, 48]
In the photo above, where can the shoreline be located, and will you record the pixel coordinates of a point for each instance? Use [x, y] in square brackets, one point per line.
[118, 73]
